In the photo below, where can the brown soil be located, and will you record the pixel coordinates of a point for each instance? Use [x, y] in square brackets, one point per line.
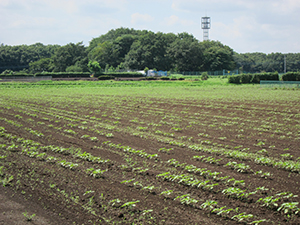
[58, 194]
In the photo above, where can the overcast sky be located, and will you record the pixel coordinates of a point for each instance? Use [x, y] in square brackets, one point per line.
[244, 25]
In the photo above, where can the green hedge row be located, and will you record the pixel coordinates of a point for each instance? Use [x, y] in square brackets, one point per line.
[291, 76]
[16, 75]
[124, 74]
[87, 74]
[252, 78]
[106, 77]
[64, 74]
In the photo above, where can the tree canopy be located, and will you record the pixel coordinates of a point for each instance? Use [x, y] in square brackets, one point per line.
[125, 48]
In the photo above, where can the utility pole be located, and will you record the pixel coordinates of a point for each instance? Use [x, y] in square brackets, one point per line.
[284, 63]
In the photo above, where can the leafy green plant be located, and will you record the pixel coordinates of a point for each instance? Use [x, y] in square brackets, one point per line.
[242, 217]
[130, 205]
[269, 201]
[97, 173]
[256, 222]
[186, 199]
[289, 208]
[210, 204]
[167, 192]
[27, 216]
[166, 150]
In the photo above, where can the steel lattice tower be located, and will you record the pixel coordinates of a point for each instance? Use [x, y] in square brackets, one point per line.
[205, 25]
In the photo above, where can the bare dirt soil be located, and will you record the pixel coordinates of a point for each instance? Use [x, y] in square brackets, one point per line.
[85, 163]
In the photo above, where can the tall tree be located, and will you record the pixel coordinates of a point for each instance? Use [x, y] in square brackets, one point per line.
[217, 56]
[186, 54]
[68, 55]
[148, 51]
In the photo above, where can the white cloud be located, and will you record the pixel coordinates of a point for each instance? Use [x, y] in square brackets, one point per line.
[138, 18]
[175, 20]
[244, 25]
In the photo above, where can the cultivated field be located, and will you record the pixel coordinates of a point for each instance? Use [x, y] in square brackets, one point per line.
[149, 153]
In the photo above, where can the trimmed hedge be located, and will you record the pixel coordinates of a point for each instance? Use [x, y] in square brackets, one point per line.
[165, 78]
[16, 75]
[291, 76]
[87, 74]
[151, 78]
[235, 79]
[106, 77]
[245, 79]
[264, 76]
[64, 74]
[252, 78]
[124, 74]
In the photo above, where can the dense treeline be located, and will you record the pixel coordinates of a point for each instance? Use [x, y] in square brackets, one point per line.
[260, 62]
[125, 48]
[19, 57]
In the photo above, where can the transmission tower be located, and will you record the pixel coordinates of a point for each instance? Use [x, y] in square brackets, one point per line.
[205, 25]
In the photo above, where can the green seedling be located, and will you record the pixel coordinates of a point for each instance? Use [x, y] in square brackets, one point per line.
[28, 217]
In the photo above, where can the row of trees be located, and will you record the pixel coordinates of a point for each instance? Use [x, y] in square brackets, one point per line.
[125, 48]
[260, 62]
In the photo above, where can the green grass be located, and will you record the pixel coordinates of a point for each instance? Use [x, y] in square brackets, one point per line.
[213, 88]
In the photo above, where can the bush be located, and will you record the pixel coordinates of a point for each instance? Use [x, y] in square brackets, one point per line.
[165, 78]
[256, 78]
[124, 74]
[151, 78]
[64, 74]
[291, 76]
[106, 77]
[181, 78]
[245, 78]
[204, 76]
[252, 78]
[234, 79]
[7, 72]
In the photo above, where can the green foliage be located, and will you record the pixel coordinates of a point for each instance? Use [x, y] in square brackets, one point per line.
[258, 62]
[217, 56]
[291, 76]
[64, 74]
[235, 79]
[44, 64]
[252, 78]
[68, 55]
[94, 67]
[151, 78]
[74, 68]
[165, 78]
[185, 54]
[245, 78]
[18, 57]
[27, 216]
[17, 75]
[7, 72]
[124, 74]
[149, 50]
[106, 77]
[146, 70]
[125, 48]
[204, 76]
[256, 78]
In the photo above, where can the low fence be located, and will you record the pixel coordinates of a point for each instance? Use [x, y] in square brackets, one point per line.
[25, 78]
[279, 84]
